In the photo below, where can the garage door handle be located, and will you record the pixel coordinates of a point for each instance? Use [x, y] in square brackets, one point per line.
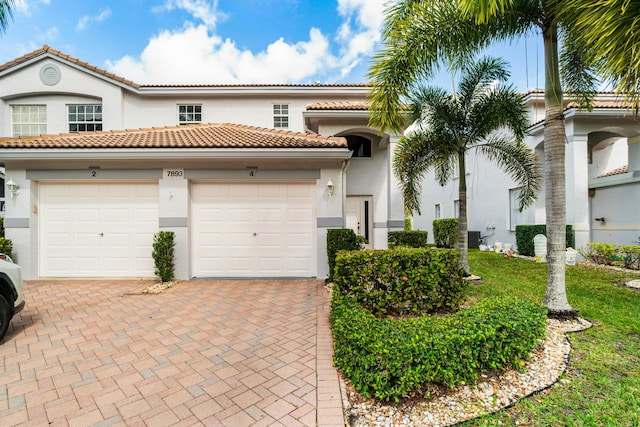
[101, 234]
[255, 234]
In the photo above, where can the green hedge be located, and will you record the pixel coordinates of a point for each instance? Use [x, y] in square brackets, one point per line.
[413, 239]
[526, 233]
[6, 246]
[340, 239]
[445, 232]
[401, 281]
[389, 359]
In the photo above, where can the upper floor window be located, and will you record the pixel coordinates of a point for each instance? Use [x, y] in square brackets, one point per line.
[281, 116]
[85, 118]
[359, 146]
[29, 120]
[438, 214]
[189, 114]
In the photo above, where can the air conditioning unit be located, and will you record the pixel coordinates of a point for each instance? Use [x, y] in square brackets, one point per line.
[474, 240]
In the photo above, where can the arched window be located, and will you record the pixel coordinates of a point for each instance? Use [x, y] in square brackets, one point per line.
[359, 145]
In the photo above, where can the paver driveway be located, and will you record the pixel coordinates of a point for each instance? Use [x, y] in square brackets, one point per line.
[227, 353]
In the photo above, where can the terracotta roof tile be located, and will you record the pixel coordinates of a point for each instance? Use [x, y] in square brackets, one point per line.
[262, 85]
[617, 171]
[339, 105]
[47, 49]
[193, 136]
[602, 104]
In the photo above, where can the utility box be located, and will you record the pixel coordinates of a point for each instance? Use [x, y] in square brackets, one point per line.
[474, 240]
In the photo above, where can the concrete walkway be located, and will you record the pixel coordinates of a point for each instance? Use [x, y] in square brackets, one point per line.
[218, 353]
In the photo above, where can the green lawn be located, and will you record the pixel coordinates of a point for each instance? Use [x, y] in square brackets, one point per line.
[602, 384]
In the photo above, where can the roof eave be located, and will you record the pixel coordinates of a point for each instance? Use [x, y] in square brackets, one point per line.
[174, 153]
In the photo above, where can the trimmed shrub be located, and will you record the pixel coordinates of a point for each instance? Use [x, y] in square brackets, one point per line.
[445, 232]
[340, 239]
[389, 359]
[413, 239]
[6, 246]
[163, 248]
[626, 256]
[526, 233]
[401, 281]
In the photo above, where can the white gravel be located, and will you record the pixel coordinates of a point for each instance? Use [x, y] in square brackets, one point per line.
[492, 393]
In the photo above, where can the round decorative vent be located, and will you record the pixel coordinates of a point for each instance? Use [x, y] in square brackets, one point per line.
[50, 74]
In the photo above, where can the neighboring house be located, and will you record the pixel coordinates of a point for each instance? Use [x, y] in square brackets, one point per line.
[602, 180]
[249, 177]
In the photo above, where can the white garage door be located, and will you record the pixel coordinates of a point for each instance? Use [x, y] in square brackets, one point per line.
[253, 230]
[97, 230]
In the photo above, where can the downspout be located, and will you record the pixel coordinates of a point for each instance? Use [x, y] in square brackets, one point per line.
[345, 166]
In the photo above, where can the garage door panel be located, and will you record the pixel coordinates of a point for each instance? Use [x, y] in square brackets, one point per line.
[101, 229]
[254, 221]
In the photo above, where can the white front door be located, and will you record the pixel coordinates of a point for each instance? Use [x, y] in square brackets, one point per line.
[253, 230]
[359, 217]
[97, 230]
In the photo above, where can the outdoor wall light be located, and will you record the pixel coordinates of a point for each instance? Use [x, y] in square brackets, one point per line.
[13, 188]
[330, 188]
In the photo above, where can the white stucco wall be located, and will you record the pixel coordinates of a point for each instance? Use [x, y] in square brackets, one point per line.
[75, 86]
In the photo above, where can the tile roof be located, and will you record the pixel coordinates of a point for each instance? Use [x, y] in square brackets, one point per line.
[617, 171]
[339, 105]
[213, 135]
[47, 49]
[261, 85]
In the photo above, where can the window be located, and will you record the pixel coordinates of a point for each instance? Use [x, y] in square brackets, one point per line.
[359, 146]
[438, 214]
[456, 208]
[281, 116]
[29, 119]
[515, 216]
[189, 114]
[85, 118]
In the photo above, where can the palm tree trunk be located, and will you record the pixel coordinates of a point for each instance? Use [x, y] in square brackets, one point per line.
[463, 245]
[555, 298]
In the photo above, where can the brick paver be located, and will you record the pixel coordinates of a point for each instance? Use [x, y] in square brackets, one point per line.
[235, 352]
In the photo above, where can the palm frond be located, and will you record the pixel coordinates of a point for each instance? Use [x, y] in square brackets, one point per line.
[501, 107]
[518, 161]
[415, 154]
[577, 67]
[609, 30]
[6, 13]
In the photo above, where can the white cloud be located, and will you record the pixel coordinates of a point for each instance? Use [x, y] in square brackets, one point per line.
[196, 54]
[360, 32]
[24, 6]
[200, 9]
[88, 19]
[193, 56]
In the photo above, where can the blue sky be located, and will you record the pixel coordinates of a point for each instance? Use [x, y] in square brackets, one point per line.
[224, 41]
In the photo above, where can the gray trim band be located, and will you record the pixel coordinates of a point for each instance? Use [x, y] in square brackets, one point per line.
[16, 223]
[95, 174]
[327, 222]
[252, 174]
[167, 222]
[395, 223]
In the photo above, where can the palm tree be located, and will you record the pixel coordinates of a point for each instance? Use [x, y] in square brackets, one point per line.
[6, 8]
[450, 125]
[421, 35]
